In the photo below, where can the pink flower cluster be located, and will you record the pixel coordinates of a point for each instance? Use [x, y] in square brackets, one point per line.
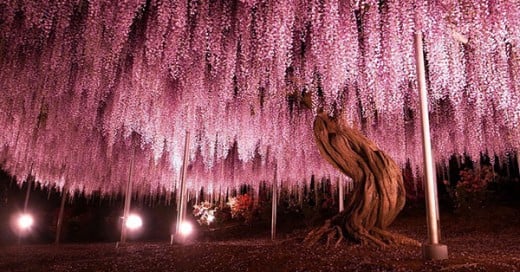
[89, 86]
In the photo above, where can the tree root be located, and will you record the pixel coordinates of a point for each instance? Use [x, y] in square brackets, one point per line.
[331, 233]
[327, 230]
[396, 238]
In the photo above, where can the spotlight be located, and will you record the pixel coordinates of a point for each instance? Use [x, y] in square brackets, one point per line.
[185, 228]
[25, 221]
[133, 222]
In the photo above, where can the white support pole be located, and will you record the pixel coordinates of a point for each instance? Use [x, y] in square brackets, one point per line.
[316, 196]
[178, 193]
[341, 186]
[274, 203]
[27, 194]
[181, 207]
[59, 223]
[432, 250]
[128, 201]
[220, 197]
[517, 161]
[301, 188]
[256, 193]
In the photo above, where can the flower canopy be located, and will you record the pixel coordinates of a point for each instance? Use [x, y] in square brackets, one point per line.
[88, 86]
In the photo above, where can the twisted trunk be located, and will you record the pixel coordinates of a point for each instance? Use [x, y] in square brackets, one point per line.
[378, 195]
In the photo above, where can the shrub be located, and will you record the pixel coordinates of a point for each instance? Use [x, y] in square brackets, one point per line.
[205, 213]
[471, 191]
[243, 208]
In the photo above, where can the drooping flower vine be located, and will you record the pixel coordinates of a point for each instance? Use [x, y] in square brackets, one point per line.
[89, 86]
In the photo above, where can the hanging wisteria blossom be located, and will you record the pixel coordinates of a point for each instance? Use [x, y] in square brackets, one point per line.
[88, 86]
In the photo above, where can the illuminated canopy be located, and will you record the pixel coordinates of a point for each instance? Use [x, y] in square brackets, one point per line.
[89, 85]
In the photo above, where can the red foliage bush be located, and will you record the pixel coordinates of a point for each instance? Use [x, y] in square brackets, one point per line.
[243, 208]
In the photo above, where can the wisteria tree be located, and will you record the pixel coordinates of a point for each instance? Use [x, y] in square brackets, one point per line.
[79, 77]
[378, 195]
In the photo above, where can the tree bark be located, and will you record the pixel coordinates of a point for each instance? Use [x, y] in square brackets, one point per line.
[378, 195]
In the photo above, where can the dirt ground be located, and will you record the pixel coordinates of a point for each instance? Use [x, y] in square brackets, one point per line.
[483, 240]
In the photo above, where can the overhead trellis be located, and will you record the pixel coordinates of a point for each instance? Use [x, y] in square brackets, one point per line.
[85, 83]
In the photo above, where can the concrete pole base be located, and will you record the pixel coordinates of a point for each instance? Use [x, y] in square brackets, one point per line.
[435, 251]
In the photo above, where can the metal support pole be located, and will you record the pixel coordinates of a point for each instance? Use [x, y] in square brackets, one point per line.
[341, 186]
[300, 194]
[59, 223]
[26, 202]
[220, 197]
[128, 200]
[178, 192]
[274, 203]
[181, 208]
[316, 196]
[27, 194]
[257, 195]
[517, 161]
[432, 250]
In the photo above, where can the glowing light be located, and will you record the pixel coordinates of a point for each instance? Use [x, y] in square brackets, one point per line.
[133, 222]
[25, 221]
[211, 218]
[186, 228]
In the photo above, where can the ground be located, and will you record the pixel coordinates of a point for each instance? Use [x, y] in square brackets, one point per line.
[487, 239]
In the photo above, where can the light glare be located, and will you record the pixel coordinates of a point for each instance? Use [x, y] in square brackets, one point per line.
[25, 221]
[133, 222]
[185, 228]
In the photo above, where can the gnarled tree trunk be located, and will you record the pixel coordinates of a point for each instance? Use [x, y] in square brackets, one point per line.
[378, 195]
